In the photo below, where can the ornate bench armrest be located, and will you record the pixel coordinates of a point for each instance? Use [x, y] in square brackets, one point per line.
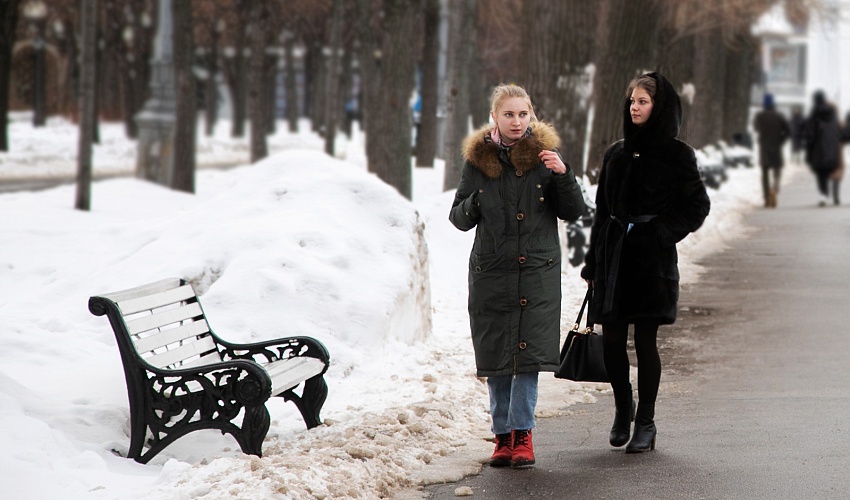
[273, 350]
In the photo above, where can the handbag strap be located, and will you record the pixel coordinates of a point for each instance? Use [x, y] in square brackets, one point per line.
[587, 297]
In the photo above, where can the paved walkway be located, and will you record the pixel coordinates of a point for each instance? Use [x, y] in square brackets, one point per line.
[755, 396]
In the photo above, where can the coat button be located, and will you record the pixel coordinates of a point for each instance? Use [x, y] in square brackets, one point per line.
[540, 199]
[519, 173]
[477, 269]
[521, 259]
[520, 216]
[522, 345]
[539, 186]
[550, 261]
[523, 302]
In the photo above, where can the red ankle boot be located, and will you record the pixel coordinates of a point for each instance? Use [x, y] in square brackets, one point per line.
[523, 449]
[504, 449]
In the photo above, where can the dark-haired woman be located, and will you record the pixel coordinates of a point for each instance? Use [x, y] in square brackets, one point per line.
[649, 197]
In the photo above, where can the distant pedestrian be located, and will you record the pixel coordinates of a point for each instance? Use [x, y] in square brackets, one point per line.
[649, 198]
[798, 132]
[823, 148]
[514, 187]
[773, 130]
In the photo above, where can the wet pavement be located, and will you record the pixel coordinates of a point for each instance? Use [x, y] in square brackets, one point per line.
[755, 394]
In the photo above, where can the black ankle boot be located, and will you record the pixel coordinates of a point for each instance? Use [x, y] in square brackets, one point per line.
[644, 436]
[623, 418]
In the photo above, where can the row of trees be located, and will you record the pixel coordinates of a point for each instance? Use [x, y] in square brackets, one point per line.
[572, 55]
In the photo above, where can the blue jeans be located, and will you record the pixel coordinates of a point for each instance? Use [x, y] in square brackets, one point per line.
[512, 402]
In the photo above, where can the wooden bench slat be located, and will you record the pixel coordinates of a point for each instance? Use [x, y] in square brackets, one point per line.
[171, 356]
[164, 318]
[160, 299]
[141, 291]
[207, 359]
[162, 339]
[287, 373]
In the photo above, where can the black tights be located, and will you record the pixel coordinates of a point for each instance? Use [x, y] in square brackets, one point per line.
[615, 337]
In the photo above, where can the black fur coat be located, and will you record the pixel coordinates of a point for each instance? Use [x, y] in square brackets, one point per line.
[649, 180]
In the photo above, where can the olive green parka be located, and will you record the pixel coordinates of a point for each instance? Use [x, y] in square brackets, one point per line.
[513, 201]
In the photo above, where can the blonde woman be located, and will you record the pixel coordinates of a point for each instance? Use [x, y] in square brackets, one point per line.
[514, 187]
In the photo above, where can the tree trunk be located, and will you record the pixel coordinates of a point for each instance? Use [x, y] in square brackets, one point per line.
[315, 76]
[479, 89]
[555, 68]
[291, 85]
[627, 45]
[739, 80]
[676, 63]
[256, 80]
[461, 37]
[211, 87]
[185, 124]
[370, 71]
[346, 87]
[8, 27]
[270, 75]
[426, 136]
[235, 70]
[709, 75]
[390, 156]
[332, 72]
[88, 22]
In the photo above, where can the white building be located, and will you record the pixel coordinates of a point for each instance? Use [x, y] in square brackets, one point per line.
[798, 60]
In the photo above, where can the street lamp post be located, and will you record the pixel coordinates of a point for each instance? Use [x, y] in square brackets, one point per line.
[36, 12]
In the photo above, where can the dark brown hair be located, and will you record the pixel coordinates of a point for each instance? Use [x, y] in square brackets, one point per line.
[645, 82]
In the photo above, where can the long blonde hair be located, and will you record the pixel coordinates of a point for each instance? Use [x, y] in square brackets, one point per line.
[506, 91]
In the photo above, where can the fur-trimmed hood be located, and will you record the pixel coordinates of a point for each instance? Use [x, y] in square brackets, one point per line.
[480, 150]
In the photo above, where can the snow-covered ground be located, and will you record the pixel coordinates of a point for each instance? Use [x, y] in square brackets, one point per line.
[298, 244]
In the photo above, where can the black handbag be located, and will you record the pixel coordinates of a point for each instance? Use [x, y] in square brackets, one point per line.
[581, 355]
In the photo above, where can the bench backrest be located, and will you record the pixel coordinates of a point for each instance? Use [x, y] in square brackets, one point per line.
[165, 323]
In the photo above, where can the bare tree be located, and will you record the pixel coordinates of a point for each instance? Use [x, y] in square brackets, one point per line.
[185, 125]
[256, 82]
[369, 68]
[332, 75]
[741, 73]
[554, 68]
[461, 36]
[234, 65]
[88, 22]
[426, 136]
[8, 27]
[627, 41]
[290, 81]
[390, 157]
[387, 69]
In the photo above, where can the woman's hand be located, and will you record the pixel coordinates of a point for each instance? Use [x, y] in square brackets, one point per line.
[552, 161]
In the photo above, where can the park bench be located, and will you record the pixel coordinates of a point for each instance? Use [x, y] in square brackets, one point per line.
[181, 377]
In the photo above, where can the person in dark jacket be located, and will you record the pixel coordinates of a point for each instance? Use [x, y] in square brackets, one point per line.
[798, 129]
[773, 130]
[514, 187]
[649, 197]
[823, 147]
